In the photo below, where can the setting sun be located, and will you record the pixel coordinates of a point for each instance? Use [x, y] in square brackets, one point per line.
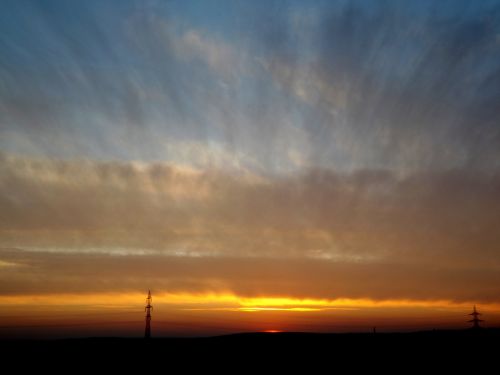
[257, 166]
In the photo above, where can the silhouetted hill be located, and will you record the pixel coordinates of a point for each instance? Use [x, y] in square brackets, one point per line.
[248, 349]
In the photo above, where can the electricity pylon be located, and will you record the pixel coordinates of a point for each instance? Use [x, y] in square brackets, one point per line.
[475, 320]
[147, 333]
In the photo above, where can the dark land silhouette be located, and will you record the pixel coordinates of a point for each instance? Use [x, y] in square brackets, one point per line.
[450, 347]
[477, 345]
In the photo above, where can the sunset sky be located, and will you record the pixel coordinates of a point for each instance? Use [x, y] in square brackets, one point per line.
[259, 165]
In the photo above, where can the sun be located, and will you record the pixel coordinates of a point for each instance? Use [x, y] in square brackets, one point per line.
[272, 331]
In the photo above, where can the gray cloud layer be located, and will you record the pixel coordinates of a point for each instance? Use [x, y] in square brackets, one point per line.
[430, 225]
[41, 273]
[342, 143]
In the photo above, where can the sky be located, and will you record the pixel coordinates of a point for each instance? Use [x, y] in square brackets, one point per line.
[259, 165]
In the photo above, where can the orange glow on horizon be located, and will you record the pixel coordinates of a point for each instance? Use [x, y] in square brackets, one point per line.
[212, 313]
[230, 302]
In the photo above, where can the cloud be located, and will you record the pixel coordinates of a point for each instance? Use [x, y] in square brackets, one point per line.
[401, 88]
[219, 56]
[347, 86]
[49, 273]
[344, 149]
[448, 217]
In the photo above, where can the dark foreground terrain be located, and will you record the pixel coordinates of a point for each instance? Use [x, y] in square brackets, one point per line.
[256, 351]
